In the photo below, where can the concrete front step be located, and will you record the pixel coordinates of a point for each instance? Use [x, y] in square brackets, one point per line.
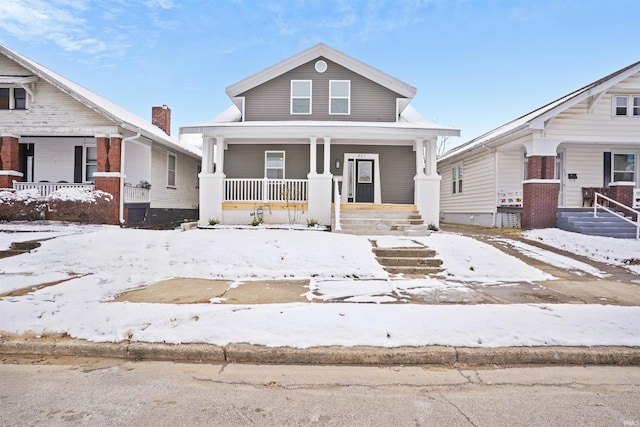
[409, 262]
[605, 224]
[382, 222]
[413, 271]
[404, 252]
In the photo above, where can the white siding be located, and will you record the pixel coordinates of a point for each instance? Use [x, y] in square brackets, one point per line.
[510, 169]
[185, 194]
[477, 186]
[137, 163]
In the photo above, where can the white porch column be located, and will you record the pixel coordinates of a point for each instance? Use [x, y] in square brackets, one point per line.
[212, 184]
[419, 148]
[327, 156]
[313, 156]
[207, 154]
[319, 204]
[427, 184]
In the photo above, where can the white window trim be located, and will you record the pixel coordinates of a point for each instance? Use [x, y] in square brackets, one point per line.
[455, 183]
[198, 172]
[348, 97]
[85, 163]
[310, 97]
[630, 99]
[12, 97]
[175, 171]
[624, 153]
[284, 162]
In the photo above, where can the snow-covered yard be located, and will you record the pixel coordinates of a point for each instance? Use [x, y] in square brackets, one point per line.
[103, 262]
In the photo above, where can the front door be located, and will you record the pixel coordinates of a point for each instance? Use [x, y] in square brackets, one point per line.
[364, 181]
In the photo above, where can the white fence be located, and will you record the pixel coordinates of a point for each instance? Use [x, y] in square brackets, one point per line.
[510, 199]
[46, 188]
[131, 194]
[136, 194]
[266, 190]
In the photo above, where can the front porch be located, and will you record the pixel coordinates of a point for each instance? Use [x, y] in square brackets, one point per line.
[45, 189]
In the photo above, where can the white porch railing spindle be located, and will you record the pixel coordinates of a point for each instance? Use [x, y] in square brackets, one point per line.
[265, 190]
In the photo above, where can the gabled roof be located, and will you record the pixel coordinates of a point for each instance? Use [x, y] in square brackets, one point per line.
[321, 50]
[540, 118]
[100, 105]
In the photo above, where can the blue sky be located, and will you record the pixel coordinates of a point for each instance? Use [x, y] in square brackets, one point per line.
[476, 64]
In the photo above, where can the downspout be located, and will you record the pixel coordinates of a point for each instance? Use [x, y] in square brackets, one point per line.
[122, 153]
[495, 187]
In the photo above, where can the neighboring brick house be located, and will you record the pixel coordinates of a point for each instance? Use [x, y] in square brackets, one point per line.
[550, 160]
[57, 135]
[314, 129]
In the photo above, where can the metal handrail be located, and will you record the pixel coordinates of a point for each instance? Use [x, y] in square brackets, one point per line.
[615, 202]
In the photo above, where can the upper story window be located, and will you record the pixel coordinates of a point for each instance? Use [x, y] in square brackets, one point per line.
[13, 98]
[456, 178]
[626, 106]
[171, 169]
[274, 164]
[300, 96]
[339, 96]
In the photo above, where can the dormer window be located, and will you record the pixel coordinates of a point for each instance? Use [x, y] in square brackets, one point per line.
[13, 98]
[339, 97]
[626, 106]
[300, 96]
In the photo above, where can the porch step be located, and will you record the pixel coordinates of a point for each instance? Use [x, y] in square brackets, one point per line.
[605, 224]
[382, 222]
[408, 261]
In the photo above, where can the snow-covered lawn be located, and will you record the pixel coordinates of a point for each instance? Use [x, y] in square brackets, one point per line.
[104, 261]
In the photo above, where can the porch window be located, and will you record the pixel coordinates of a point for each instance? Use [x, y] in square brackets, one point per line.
[90, 163]
[623, 167]
[171, 170]
[300, 96]
[626, 105]
[13, 98]
[339, 96]
[456, 178]
[274, 164]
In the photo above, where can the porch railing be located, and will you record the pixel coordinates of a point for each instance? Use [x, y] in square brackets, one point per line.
[136, 194]
[266, 190]
[600, 205]
[636, 198]
[46, 188]
[510, 199]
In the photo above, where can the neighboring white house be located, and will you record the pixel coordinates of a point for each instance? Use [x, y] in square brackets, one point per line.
[316, 130]
[55, 133]
[552, 158]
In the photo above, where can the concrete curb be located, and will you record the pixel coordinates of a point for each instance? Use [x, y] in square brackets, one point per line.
[247, 353]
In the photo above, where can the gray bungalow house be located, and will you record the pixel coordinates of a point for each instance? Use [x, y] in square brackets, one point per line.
[317, 131]
[542, 169]
[56, 135]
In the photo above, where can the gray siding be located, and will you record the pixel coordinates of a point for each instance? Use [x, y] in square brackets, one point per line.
[397, 165]
[247, 161]
[370, 102]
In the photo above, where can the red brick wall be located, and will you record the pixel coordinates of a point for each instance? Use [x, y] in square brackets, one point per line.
[540, 199]
[102, 148]
[110, 185]
[540, 205]
[115, 150]
[622, 194]
[10, 160]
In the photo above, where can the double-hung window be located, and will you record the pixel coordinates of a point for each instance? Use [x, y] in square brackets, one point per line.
[456, 178]
[339, 96]
[274, 164]
[623, 167]
[13, 98]
[300, 96]
[626, 106]
[171, 169]
[90, 163]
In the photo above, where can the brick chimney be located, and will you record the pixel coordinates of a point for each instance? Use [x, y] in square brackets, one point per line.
[161, 117]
